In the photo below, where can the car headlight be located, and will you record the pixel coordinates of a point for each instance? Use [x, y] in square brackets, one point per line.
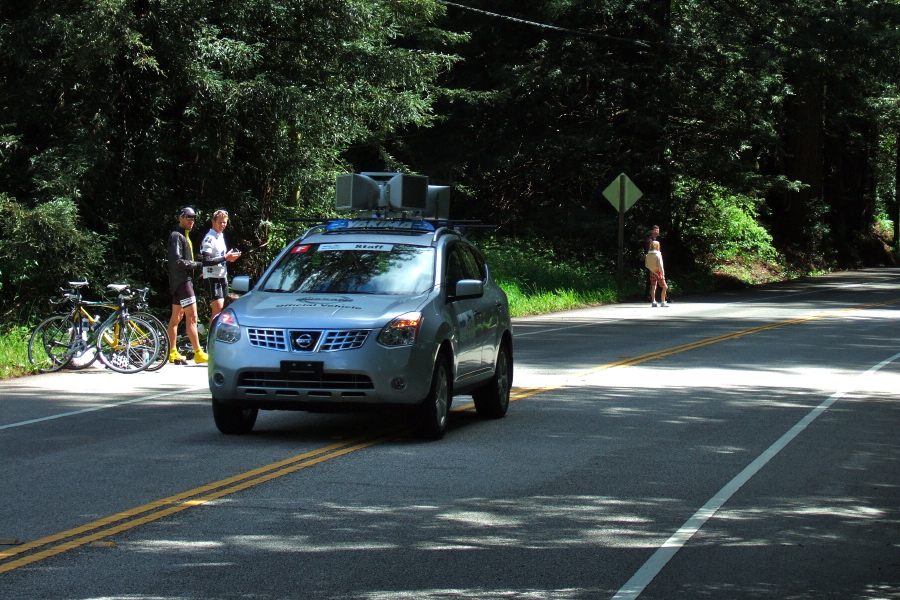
[226, 328]
[401, 331]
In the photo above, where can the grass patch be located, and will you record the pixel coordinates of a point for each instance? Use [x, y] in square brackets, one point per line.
[537, 280]
[523, 303]
[14, 352]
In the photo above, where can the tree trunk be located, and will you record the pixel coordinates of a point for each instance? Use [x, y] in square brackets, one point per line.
[802, 160]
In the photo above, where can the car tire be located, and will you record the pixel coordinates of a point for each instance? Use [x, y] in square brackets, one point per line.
[492, 399]
[233, 420]
[431, 420]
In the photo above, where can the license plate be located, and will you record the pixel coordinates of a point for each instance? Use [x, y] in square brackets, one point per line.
[313, 367]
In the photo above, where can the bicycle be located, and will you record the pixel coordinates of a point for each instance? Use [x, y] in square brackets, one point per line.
[140, 312]
[125, 343]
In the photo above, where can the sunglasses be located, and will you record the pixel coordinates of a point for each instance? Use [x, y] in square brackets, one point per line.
[190, 218]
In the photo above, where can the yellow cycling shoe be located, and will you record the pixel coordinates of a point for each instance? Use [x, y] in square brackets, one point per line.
[200, 356]
[175, 356]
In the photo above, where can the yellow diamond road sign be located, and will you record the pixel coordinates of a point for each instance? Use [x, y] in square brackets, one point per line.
[631, 192]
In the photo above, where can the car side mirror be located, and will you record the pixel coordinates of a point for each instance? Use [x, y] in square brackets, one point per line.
[240, 284]
[469, 288]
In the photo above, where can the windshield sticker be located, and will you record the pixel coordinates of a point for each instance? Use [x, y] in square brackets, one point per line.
[298, 249]
[356, 246]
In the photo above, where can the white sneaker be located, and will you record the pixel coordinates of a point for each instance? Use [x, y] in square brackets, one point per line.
[654, 305]
[664, 304]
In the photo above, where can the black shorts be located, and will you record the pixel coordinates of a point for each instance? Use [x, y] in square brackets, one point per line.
[218, 288]
[184, 295]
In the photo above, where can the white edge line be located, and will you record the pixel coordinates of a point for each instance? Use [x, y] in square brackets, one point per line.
[101, 407]
[604, 320]
[642, 578]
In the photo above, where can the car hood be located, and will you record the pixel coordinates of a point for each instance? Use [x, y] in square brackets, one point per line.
[322, 311]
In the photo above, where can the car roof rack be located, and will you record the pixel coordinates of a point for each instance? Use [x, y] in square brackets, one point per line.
[397, 202]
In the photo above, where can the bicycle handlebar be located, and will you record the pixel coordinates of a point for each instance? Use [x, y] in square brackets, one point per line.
[71, 296]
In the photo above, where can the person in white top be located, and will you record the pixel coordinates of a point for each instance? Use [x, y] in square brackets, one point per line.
[214, 254]
[654, 264]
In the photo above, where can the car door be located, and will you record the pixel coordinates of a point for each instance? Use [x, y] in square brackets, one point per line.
[463, 312]
[487, 311]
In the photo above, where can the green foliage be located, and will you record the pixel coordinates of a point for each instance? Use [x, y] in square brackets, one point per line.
[784, 102]
[722, 226]
[41, 249]
[248, 104]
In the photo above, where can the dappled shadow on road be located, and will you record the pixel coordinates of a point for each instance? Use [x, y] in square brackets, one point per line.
[431, 532]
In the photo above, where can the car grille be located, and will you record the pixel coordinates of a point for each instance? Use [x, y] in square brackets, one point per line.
[318, 341]
[304, 380]
[267, 338]
[343, 340]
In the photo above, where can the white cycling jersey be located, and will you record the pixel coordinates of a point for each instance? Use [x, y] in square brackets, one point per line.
[212, 248]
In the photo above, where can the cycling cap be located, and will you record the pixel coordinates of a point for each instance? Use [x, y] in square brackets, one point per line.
[187, 211]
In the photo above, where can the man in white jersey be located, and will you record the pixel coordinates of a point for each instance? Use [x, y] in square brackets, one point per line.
[214, 254]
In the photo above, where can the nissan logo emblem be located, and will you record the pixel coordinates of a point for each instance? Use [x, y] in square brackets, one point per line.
[304, 341]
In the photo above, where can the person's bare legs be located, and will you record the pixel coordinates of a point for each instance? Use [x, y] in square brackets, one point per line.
[174, 320]
[190, 322]
[653, 292]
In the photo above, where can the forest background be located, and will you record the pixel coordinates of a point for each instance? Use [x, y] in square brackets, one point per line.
[763, 134]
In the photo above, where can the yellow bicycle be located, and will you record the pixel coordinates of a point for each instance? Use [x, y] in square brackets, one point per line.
[124, 342]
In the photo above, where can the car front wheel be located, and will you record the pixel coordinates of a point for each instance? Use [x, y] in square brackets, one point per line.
[492, 399]
[233, 420]
[431, 421]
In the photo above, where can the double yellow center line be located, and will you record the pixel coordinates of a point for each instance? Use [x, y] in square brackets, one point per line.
[135, 517]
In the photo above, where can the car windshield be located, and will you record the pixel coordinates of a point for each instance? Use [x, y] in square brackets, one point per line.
[354, 268]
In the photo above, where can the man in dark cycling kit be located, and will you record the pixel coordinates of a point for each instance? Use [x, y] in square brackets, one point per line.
[184, 301]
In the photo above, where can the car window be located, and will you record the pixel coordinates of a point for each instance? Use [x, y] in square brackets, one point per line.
[473, 263]
[462, 264]
[455, 268]
[353, 268]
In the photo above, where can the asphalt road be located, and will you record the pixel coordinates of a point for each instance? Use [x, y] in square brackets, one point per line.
[739, 445]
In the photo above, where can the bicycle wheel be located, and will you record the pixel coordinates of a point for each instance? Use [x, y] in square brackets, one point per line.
[49, 348]
[128, 348]
[83, 351]
[163, 356]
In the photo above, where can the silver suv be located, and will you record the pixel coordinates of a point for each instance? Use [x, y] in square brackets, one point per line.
[363, 314]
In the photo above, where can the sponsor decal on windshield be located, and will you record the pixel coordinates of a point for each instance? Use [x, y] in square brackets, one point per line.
[356, 246]
[299, 249]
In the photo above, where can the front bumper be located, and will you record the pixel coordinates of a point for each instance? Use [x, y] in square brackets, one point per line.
[369, 376]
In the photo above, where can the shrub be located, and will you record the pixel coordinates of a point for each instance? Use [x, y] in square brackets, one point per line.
[41, 249]
[722, 226]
